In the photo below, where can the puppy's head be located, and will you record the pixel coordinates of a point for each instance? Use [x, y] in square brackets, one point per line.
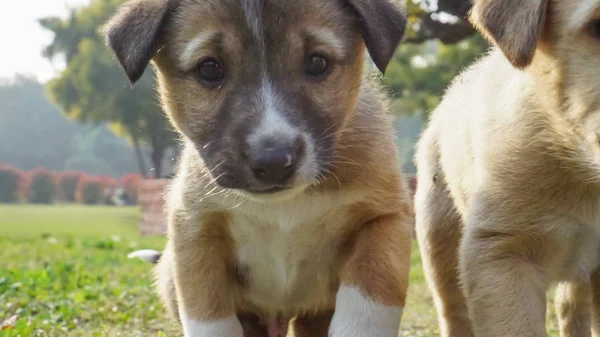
[565, 29]
[260, 87]
[566, 36]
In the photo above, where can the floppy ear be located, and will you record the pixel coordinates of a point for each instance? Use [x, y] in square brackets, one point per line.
[515, 26]
[133, 34]
[383, 26]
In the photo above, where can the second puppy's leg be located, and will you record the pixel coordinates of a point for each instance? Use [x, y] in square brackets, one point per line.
[573, 308]
[503, 274]
[438, 227]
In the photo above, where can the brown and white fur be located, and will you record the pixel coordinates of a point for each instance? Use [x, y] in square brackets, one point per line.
[508, 196]
[323, 238]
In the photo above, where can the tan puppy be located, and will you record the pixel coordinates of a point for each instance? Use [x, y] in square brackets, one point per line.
[508, 197]
[288, 201]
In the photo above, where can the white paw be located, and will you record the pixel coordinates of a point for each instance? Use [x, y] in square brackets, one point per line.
[358, 316]
[227, 327]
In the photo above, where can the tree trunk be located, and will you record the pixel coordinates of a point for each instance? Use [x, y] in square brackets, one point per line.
[159, 143]
[157, 155]
[139, 156]
[176, 154]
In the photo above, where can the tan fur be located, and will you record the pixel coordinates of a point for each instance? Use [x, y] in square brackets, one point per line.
[509, 176]
[572, 301]
[232, 252]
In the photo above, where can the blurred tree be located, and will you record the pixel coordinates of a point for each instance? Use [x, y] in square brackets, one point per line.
[33, 133]
[443, 20]
[438, 44]
[419, 73]
[92, 88]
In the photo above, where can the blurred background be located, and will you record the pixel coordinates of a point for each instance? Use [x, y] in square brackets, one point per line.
[84, 158]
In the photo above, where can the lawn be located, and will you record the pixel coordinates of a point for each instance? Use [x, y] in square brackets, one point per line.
[64, 272]
[68, 221]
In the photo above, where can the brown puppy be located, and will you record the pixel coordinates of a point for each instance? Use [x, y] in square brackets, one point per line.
[509, 175]
[288, 201]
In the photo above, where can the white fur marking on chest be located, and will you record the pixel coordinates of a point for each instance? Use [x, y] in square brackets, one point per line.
[284, 244]
[273, 237]
[358, 316]
[227, 327]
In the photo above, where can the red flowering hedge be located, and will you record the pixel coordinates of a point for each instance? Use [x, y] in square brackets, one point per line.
[10, 182]
[107, 181]
[67, 185]
[43, 186]
[89, 190]
[131, 183]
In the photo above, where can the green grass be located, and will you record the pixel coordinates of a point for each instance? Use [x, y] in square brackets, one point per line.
[68, 220]
[64, 272]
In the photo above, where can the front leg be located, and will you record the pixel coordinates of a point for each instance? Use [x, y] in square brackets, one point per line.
[503, 263]
[205, 276]
[595, 306]
[573, 302]
[374, 280]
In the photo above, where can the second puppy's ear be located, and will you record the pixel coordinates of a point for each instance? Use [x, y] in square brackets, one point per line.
[133, 34]
[383, 25]
[515, 26]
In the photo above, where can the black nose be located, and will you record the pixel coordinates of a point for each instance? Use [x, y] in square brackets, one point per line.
[276, 163]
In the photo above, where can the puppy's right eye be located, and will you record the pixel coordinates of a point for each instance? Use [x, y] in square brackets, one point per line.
[316, 66]
[595, 29]
[210, 72]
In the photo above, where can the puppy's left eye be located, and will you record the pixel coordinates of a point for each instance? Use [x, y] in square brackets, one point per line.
[595, 28]
[316, 65]
[210, 71]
